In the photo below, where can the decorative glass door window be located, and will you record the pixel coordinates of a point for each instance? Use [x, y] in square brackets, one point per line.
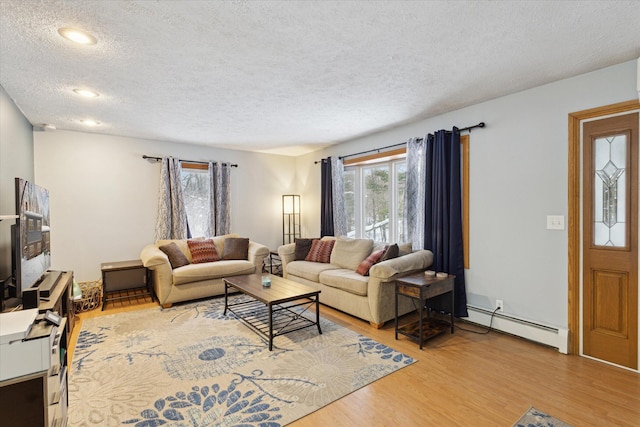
[610, 191]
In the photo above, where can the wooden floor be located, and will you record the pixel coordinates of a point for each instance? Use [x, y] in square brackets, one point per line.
[467, 379]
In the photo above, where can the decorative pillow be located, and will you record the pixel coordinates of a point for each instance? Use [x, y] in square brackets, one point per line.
[236, 248]
[390, 252]
[302, 248]
[404, 249]
[374, 258]
[320, 251]
[176, 257]
[349, 253]
[203, 251]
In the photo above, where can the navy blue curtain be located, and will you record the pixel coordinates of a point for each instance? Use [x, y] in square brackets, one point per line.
[443, 214]
[326, 199]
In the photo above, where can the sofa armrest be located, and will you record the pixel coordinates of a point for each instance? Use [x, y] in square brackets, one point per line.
[161, 272]
[152, 257]
[392, 268]
[257, 253]
[381, 289]
[287, 254]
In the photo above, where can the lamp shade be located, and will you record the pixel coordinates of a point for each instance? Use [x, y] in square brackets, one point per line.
[290, 218]
[290, 204]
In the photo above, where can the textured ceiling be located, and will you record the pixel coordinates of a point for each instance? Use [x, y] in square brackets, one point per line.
[293, 76]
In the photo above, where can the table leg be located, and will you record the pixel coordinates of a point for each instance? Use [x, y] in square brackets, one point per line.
[452, 307]
[226, 297]
[422, 302]
[318, 314]
[270, 327]
[104, 293]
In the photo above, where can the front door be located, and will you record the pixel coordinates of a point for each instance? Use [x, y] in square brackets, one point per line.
[610, 240]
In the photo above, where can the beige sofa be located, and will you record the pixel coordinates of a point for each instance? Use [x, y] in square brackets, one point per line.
[371, 297]
[195, 281]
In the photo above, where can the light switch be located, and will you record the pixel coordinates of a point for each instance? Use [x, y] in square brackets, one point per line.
[555, 222]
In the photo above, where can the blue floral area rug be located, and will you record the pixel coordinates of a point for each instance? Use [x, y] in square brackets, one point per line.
[536, 418]
[190, 365]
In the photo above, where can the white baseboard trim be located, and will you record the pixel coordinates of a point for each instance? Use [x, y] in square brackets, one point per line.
[534, 331]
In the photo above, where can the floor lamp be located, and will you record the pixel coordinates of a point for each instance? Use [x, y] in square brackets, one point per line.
[290, 218]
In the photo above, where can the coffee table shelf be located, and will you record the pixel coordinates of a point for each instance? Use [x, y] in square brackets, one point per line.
[275, 310]
[284, 320]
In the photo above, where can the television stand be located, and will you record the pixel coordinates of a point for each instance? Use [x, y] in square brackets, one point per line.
[48, 283]
[61, 299]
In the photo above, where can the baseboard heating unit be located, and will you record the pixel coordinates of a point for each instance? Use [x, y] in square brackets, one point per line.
[543, 334]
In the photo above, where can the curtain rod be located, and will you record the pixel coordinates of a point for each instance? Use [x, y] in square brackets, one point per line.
[468, 128]
[158, 159]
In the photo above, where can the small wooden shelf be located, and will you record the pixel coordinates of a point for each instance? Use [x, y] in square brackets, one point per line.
[430, 328]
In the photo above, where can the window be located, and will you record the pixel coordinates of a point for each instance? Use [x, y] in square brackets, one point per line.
[374, 199]
[195, 192]
[374, 189]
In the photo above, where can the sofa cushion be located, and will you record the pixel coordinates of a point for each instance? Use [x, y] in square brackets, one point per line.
[211, 270]
[346, 280]
[202, 251]
[404, 249]
[181, 243]
[219, 241]
[363, 268]
[175, 255]
[302, 248]
[308, 270]
[320, 251]
[390, 252]
[349, 253]
[236, 248]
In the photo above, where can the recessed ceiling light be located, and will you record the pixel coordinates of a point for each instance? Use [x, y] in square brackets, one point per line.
[86, 93]
[77, 36]
[89, 122]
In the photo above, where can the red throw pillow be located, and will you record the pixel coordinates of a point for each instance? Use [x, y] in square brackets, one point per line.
[320, 251]
[203, 251]
[365, 266]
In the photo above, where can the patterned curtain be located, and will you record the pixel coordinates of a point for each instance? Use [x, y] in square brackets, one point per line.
[219, 199]
[172, 217]
[413, 221]
[339, 207]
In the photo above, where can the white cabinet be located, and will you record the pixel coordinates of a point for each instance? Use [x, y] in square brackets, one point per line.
[33, 370]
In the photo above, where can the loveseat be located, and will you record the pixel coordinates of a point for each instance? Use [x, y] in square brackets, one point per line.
[180, 273]
[369, 297]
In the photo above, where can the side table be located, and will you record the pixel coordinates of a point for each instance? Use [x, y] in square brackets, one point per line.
[422, 288]
[124, 276]
[275, 264]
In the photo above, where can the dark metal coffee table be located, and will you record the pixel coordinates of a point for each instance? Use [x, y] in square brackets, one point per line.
[273, 310]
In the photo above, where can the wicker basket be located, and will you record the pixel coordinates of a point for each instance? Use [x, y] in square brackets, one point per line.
[91, 296]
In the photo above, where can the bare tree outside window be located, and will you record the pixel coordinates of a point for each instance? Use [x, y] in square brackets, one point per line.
[376, 203]
[195, 192]
[374, 200]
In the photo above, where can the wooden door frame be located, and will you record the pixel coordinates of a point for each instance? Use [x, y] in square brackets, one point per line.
[574, 210]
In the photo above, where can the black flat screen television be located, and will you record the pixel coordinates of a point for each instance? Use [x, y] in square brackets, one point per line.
[32, 244]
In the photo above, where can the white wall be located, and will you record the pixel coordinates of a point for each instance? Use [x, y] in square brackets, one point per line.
[519, 169]
[16, 160]
[104, 195]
